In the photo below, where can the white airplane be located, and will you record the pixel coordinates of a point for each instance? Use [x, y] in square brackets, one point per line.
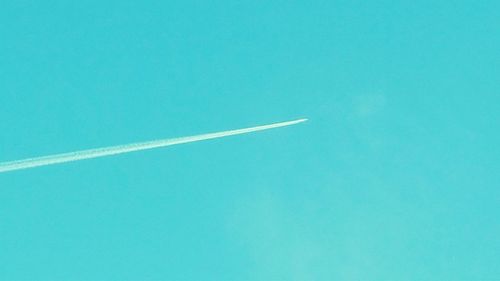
[119, 149]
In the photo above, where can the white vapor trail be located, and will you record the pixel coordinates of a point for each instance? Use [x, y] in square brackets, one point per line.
[119, 149]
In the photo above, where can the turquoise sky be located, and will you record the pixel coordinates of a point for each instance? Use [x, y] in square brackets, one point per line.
[395, 176]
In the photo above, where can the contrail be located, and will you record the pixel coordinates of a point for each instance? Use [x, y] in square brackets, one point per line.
[119, 149]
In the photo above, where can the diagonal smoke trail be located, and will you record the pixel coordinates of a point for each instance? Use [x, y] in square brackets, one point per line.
[119, 149]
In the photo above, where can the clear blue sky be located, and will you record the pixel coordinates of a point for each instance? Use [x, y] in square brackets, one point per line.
[395, 176]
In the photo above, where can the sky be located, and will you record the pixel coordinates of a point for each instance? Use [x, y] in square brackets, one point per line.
[394, 176]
